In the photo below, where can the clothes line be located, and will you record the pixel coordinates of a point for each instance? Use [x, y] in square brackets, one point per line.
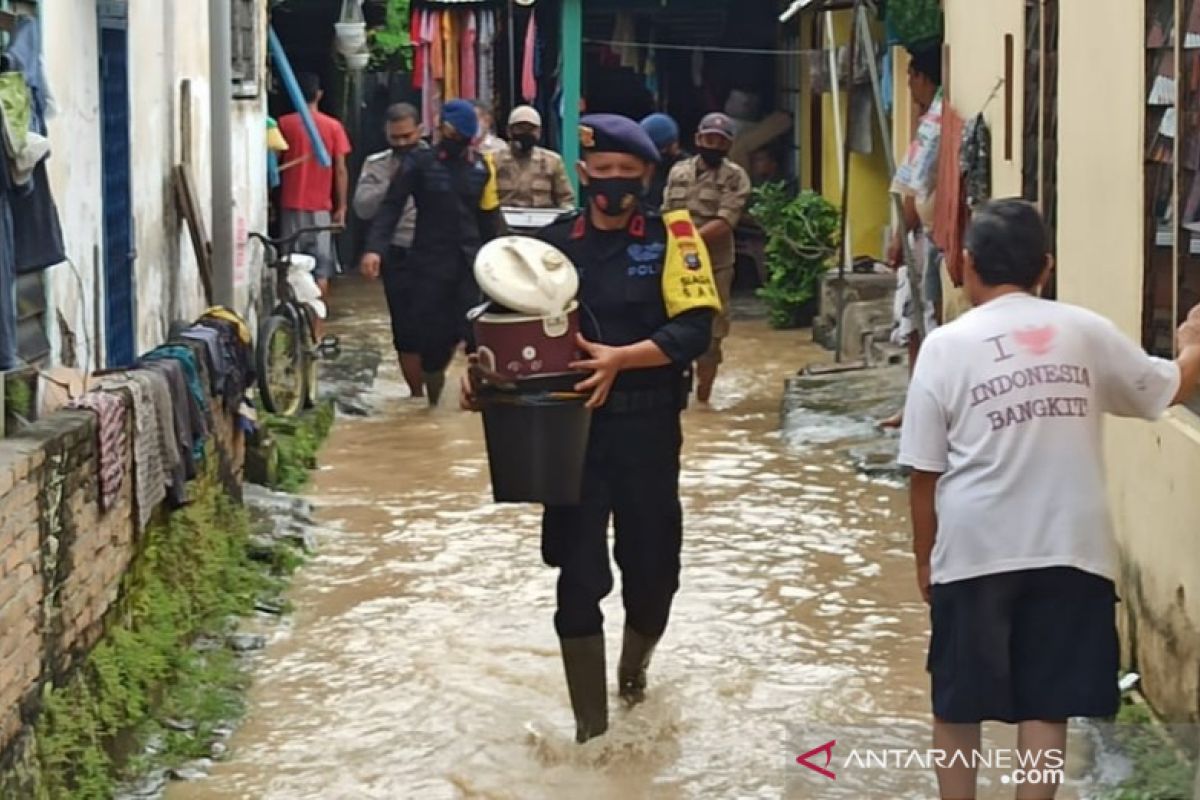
[703, 49]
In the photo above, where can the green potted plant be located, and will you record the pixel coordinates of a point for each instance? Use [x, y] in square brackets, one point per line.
[391, 43]
[801, 241]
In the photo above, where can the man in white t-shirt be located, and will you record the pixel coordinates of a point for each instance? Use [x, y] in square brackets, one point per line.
[1011, 529]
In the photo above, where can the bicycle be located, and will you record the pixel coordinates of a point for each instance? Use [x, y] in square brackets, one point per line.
[287, 351]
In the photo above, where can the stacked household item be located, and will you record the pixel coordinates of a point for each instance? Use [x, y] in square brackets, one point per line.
[351, 35]
[535, 423]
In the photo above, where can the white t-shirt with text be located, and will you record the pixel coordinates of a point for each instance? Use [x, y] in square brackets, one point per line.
[1007, 402]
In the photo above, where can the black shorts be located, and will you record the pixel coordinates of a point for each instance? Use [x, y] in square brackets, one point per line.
[1037, 644]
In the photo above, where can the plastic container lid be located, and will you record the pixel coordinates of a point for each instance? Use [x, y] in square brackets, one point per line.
[526, 275]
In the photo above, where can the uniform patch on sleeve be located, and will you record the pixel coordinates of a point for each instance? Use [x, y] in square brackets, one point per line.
[688, 281]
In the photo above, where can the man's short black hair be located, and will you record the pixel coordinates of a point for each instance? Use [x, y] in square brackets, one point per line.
[1007, 239]
[310, 86]
[927, 61]
[399, 112]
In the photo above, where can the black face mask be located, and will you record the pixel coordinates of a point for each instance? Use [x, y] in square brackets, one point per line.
[712, 156]
[525, 142]
[453, 148]
[403, 149]
[614, 196]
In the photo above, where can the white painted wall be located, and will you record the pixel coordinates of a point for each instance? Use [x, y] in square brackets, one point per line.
[169, 45]
[71, 58]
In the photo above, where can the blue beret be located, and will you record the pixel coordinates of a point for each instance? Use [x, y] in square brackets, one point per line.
[661, 129]
[612, 133]
[460, 115]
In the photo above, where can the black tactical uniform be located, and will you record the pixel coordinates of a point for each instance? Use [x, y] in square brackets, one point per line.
[632, 467]
[458, 210]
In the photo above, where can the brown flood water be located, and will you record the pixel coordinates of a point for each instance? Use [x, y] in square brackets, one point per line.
[422, 662]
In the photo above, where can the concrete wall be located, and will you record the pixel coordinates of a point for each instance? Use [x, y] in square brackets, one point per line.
[71, 58]
[169, 46]
[975, 32]
[1152, 469]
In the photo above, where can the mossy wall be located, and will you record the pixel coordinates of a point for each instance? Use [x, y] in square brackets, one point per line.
[144, 640]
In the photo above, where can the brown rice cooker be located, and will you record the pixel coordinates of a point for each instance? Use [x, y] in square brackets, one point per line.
[530, 330]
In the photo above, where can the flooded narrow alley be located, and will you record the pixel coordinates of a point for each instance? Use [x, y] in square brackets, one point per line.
[421, 660]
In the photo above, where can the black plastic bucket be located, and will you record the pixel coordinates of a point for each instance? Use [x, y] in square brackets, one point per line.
[537, 444]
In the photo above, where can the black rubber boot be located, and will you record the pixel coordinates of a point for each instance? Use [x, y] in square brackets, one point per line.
[434, 383]
[631, 671]
[583, 660]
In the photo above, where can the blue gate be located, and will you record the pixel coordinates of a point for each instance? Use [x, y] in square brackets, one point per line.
[118, 207]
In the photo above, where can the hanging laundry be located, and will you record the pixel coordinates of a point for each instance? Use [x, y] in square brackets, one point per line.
[187, 422]
[216, 357]
[24, 54]
[149, 468]
[487, 56]
[430, 91]
[111, 444]
[450, 89]
[468, 73]
[159, 390]
[528, 80]
[976, 162]
[950, 209]
[420, 53]
[625, 34]
[437, 50]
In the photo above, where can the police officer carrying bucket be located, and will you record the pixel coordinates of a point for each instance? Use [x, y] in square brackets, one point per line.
[648, 288]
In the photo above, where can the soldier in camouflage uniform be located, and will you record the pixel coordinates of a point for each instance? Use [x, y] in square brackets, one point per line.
[530, 176]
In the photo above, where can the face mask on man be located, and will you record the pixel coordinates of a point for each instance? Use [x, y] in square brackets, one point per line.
[615, 196]
[525, 141]
[711, 155]
[403, 149]
[453, 148]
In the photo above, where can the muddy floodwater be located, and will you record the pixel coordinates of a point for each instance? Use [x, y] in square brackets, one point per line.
[421, 660]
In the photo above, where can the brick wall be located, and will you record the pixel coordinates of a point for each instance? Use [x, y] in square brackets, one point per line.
[61, 558]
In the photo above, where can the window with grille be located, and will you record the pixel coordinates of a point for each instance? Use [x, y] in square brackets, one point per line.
[247, 48]
[1172, 171]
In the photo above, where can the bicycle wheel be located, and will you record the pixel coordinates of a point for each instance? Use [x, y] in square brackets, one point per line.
[280, 362]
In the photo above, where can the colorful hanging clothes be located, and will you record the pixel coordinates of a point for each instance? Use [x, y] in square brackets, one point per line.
[950, 208]
[111, 444]
[487, 55]
[150, 454]
[420, 52]
[528, 79]
[431, 91]
[433, 35]
[468, 74]
[450, 89]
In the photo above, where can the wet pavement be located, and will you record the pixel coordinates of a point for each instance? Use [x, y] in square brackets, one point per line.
[421, 660]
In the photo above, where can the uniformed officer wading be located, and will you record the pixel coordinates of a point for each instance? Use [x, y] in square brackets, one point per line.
[458, 210]
[715, 191]
[403, 131]
[648, 286]
[530, 176]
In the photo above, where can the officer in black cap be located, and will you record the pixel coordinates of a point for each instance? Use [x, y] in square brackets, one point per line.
[647, 286]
